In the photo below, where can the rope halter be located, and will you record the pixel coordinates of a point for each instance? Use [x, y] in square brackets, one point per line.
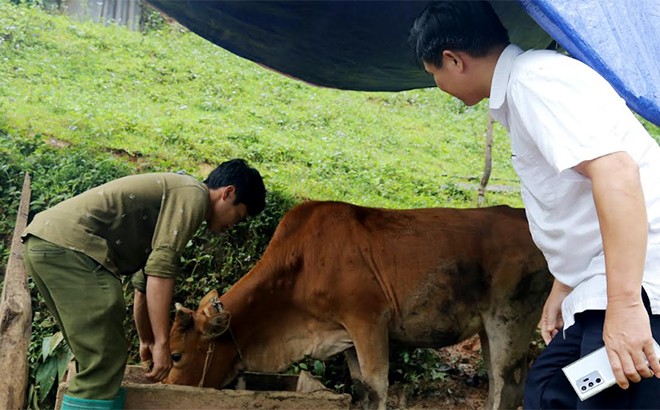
[217, 307]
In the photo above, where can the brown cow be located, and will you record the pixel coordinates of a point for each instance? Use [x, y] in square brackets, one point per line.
[338, 277]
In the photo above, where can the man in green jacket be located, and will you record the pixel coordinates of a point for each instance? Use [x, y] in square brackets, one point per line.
[77, 251]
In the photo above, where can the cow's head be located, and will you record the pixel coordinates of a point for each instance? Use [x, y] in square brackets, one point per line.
[191, 336]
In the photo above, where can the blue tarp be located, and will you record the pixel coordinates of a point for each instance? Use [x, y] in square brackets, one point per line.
[361, 45]
[619, 39]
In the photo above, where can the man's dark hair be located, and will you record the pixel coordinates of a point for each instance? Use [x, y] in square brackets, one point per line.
[468, 26]
[249, 185]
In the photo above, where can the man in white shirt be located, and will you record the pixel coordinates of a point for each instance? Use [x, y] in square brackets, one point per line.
[590, 177]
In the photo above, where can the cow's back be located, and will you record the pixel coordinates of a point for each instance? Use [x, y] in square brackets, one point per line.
[432, 270]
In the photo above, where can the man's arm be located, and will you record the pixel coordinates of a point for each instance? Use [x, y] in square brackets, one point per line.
[159, 291]
[143, 326]
[181, 213]
[621, 208]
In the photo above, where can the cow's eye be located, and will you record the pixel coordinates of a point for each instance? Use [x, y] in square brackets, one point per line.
[176, 357]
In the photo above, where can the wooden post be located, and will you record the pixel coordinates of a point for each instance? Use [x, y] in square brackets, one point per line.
[15, 316]
[487, 162]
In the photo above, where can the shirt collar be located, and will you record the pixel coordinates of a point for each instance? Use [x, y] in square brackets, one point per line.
[501, 75]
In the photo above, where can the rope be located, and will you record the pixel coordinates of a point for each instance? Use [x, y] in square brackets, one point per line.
[207, 362]
[217, 306]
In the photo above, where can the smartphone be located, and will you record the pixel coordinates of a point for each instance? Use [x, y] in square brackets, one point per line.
[593, 373]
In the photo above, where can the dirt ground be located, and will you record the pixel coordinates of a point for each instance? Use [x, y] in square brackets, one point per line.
[462, 389]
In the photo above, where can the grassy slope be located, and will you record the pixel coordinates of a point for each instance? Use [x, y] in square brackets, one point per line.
[176, 97]
[181, 101]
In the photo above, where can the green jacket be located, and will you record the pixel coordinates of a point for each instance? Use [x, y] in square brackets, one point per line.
[132, 223]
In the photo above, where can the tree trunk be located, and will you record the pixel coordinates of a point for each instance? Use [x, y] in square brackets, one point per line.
[488, 161]
[15, 316]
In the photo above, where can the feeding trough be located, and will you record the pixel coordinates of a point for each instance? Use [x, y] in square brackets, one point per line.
[254, 390]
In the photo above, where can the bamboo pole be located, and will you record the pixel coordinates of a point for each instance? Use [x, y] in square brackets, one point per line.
[487, 162]
[15, 316]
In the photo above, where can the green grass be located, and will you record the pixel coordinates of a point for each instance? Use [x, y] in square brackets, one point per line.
[177, 99]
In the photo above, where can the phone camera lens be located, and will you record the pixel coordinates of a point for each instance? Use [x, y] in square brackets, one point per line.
[591, 384]
[597, 380]
[584, 388]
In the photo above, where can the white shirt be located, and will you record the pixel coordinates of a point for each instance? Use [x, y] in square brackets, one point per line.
[559, 112]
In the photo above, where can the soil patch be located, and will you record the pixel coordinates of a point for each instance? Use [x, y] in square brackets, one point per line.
[465, 386]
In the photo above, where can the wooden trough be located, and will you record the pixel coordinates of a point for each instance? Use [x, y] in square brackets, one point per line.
[255, 390]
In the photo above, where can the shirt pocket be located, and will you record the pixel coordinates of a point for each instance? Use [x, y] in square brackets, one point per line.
[538, 179]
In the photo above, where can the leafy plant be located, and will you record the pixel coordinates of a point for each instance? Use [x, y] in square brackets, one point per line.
[150, 19]
[333, 373]
[55, 357]
[417, 368]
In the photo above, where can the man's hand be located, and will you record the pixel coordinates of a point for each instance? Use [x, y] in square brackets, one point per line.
[146, 357]
[143, 326]
[162, 362]
[627, 334]
[552, 321]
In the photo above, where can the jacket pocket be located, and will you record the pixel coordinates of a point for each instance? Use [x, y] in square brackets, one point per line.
[47, 249]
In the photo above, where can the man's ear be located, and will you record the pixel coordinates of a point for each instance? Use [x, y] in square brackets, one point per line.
[217, 325]
[228, 190]
[453, 59]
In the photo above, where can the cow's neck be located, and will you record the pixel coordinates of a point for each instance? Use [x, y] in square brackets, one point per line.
[271, 331]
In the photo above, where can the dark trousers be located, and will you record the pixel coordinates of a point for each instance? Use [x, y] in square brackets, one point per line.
[547, 387]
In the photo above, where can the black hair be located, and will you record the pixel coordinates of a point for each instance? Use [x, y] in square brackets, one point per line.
[249, 185]
[468, 26]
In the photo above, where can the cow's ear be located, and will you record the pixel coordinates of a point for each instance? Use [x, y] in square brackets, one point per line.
[185, 319]
[217, 325]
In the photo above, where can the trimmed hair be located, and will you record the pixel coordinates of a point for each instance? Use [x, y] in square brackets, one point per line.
[249, 185]
[468, 26]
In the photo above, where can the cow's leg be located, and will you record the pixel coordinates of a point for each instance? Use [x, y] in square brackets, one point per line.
[505, 345]
[369, 361]
[353, 364]
[356, 376]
